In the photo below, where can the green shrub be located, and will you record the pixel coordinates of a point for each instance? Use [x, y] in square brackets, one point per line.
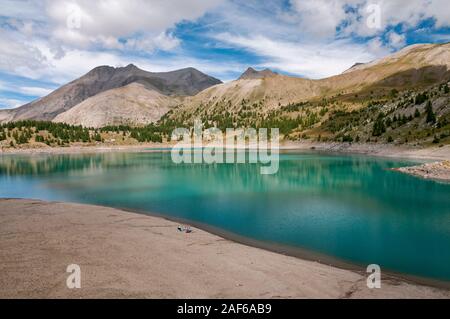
[431, 117]
[379, 127]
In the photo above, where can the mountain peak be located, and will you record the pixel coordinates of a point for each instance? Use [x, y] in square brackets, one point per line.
[354, 67]
[107, 69]
[251, 74]
[131, 66]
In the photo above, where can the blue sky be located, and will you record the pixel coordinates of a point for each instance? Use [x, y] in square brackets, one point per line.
[47, 43]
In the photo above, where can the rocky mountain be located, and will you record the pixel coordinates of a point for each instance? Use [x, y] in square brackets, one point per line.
[402, 98]
[111, 96]
[251, 73]
[133, 105]
[416, 66]
[183, 82]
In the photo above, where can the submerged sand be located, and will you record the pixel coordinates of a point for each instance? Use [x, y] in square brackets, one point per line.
[128, 255]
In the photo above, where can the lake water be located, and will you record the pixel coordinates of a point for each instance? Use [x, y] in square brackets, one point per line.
[349, 207]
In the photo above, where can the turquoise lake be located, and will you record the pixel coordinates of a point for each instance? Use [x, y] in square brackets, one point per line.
[349, 207]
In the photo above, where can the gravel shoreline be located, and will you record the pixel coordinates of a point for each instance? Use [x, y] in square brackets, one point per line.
[439, 171]
[381, 150]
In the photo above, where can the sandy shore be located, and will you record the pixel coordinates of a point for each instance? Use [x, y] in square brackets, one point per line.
[383, 150]
[127, 255]
[439, 171]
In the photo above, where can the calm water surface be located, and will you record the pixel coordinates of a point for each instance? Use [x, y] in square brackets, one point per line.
[349, 207]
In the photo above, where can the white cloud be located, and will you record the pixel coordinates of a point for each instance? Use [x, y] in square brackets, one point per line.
[322, 17]
[377, 47]
[83, 23]
[324, 44]
[76, 63]
[25, 90]
[439, 9]
[33, 91]
[163, 41]
[45, 40]
[396, 40]
[38, 33]
[319, 17]
[16, 54]
[391, 13]
[166, 41]
[23, 9]
[11, 103]
[309, 59]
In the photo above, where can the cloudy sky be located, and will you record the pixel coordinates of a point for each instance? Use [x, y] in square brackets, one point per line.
[46, 43]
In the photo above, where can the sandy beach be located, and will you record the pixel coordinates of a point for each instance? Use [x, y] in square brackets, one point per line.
[128, 255]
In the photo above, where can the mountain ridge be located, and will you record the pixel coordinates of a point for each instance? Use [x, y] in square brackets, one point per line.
[188, 81]
[251, 74]
[191, 93]
[410, 67]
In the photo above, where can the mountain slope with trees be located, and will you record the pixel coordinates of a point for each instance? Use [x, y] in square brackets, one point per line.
[401, 99]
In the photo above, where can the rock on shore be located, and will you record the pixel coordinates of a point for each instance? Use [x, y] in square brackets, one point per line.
[437, 170]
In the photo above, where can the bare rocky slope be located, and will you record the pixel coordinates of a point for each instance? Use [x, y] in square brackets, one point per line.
[132, 105]
[183, 82]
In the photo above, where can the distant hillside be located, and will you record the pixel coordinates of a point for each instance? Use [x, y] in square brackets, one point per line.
[417, 66]
[344, 107]
[176, 83]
